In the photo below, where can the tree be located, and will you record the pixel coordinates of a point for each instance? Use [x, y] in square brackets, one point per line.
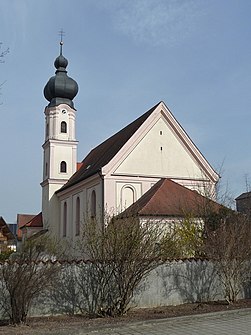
[188, 237]
[120, 255]
[3, 53]
[228, 246]
[26, 274]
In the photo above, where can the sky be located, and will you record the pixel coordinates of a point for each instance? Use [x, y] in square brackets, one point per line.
[126, 56]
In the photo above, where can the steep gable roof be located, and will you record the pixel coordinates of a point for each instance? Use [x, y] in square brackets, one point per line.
[167, 198]
[6, 230]
[22, 219]
[35, 222]
[104, 152]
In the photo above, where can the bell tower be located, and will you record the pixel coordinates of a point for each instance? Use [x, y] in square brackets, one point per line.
[60, 145]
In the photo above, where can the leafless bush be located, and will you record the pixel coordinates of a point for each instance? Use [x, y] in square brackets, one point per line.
[228, 245]
[26, 275]
[121, 255]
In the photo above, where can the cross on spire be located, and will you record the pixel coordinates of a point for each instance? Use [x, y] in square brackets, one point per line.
[61, 33]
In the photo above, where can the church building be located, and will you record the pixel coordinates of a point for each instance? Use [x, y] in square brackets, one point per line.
[151, 157]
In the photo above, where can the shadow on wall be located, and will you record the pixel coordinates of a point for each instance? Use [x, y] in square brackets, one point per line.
[191, 280]
[247, 290]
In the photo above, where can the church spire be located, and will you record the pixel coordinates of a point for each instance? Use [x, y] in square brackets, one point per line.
[61, 88]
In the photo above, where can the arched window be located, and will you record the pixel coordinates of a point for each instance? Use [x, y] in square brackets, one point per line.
[65, 220]
[63, 127]
[46, 169]
[63, 167]
[93, 204]
[128, 197]
[77, 216]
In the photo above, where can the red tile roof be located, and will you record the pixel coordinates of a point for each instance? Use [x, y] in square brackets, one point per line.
[22, 219]
[167, 198]
[103, 153]
[79, 164]
[35, 222]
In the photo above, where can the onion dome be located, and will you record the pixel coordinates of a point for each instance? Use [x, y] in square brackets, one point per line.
[60, 88]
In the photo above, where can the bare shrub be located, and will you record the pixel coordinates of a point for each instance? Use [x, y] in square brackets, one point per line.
[121, 254]
[228, 246]
[26, 275]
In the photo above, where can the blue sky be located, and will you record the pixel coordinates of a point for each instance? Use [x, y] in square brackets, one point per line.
[126, 56]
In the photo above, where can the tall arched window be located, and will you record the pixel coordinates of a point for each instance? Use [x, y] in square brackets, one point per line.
[63, 167]
[93, 204]
[63, 127]
[77, 216]
[65, 219]
[46, 169]
[128, 197]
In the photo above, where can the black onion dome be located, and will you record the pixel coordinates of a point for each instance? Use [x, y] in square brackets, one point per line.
[61, 88]
[60, 62]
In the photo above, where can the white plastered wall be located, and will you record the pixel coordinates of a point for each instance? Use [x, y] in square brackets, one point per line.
[114, 187]
[160, 153]
[59, 146]
[83, 191]
[157, 151]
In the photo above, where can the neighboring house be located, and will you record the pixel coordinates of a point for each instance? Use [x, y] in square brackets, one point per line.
[22, 219]
[32, 227]
[243, 203]
[7, 238]
[119, 171]
[13, 228]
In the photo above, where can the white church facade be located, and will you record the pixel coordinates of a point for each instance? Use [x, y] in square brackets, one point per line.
[119, 171]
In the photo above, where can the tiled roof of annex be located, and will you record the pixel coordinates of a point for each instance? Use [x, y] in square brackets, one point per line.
[104, 152]
[167, 198]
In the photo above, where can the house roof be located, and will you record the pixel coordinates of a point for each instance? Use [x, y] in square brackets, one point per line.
[22, 219]
[35, 222]
[104, 152]
[167, 198]
[245, 195]
[6, 230]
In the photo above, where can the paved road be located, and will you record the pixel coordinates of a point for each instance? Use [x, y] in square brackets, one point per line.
[221, 323]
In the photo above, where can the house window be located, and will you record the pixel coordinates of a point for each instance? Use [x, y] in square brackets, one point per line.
[93, 204]
[63, 167]
[77, 216]
[63, 127]
[65, 219]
